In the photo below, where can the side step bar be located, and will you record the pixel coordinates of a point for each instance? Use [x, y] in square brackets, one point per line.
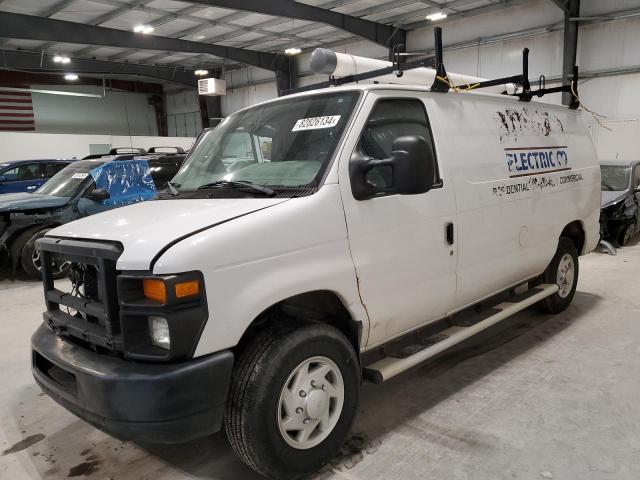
[389, 367]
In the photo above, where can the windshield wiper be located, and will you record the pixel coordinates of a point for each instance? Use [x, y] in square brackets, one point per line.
[172, 188]
[238, 184]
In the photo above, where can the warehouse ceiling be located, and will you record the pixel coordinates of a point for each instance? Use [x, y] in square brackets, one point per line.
[200, 23]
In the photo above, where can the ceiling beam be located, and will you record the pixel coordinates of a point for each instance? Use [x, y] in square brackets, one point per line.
[379, 33]
[55, 8]
[562, 5]
[38, 62]
[29, 27]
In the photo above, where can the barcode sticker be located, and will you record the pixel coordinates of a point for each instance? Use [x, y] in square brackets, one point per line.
[314, 123]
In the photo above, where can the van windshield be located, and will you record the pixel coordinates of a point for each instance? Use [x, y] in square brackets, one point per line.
[284, 144]
[66, 182]
[615, 177]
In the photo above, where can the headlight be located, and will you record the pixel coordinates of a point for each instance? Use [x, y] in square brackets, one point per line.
[159, 332]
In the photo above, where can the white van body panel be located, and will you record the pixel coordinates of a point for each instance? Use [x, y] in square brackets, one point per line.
[509, 222]
[295, 247]
[148, 227]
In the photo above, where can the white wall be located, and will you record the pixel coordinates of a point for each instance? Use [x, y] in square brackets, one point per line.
[119, 113]
[183, 113]
[28, 145]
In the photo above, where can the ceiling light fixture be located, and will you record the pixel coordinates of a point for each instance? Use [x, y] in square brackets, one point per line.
[201, 73]
[71, 76]
[146, 29]
[61, 59]
[292, 51]
[434, 17]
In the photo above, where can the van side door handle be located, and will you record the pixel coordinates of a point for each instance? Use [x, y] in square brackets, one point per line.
[449, 235]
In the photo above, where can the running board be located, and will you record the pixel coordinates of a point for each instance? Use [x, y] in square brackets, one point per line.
[389, 367]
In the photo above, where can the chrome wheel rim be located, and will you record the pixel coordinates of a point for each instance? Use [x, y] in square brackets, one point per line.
[310, 403]
[566, 275]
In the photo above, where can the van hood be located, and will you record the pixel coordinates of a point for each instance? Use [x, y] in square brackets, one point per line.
[146, 228]
[609, 197]
[14, 202]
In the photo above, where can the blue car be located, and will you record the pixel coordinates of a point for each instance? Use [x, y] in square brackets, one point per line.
[28, 175]
[83, 188]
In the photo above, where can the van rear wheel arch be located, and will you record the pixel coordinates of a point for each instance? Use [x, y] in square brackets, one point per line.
[574, 231]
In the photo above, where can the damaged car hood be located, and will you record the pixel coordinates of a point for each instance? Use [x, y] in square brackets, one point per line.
[609, 197]
[13, 202]
[146, 228]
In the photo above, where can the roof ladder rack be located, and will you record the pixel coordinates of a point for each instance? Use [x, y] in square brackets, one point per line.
[443, 84]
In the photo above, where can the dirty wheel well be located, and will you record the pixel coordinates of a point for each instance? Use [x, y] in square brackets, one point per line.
[318, 306]
[575, 232]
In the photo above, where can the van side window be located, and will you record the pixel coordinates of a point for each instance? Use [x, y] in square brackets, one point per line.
[390, 119]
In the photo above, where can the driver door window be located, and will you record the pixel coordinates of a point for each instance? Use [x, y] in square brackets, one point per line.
[390, 119]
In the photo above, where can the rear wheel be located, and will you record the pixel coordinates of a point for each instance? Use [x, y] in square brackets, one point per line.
[562, 271]
[293, 398]
[30, 256]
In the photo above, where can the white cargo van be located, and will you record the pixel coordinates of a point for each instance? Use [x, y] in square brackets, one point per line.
[257, 294]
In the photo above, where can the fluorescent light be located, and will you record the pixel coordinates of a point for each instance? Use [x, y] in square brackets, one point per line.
[201, 73]
[61, 59]
[434, 17]
[71, 76]
[292, 51]
[146, 29]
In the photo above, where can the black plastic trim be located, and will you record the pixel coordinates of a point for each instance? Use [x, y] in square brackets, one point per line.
[159, 403]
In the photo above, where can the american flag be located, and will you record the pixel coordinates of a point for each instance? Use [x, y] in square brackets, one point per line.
[16, 111]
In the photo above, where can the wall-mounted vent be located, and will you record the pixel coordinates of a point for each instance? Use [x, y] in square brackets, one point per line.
[212, 86]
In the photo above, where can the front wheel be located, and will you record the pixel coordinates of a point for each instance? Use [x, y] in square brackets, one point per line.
[563, 271]
[30, 256]
[292, 400]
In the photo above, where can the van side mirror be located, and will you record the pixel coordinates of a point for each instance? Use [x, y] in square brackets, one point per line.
[98, 195]
[411, 167]
[3, 179]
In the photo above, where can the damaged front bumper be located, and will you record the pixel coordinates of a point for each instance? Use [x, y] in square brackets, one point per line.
[147, 402]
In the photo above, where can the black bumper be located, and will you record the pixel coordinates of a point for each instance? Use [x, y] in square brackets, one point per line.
[145, 402]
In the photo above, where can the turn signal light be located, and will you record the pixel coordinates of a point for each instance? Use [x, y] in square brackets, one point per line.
[187, 289]
[154, 290]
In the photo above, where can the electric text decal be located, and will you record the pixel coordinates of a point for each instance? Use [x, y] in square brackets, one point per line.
[525, 161]
[540, 183]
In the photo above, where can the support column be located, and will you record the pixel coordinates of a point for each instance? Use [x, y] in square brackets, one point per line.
[284, 76]
[570, 46]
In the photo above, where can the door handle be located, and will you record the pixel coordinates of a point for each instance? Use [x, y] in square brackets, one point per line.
[449, 234]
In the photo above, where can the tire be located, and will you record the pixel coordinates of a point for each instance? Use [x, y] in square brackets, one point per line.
[26, 243]
[626, 234]
[566, 255]
[262, 378]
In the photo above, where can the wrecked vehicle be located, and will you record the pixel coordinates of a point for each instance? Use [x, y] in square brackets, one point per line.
[620, 213]
[81, 189]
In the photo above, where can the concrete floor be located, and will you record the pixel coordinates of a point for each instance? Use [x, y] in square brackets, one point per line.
[538, 397]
